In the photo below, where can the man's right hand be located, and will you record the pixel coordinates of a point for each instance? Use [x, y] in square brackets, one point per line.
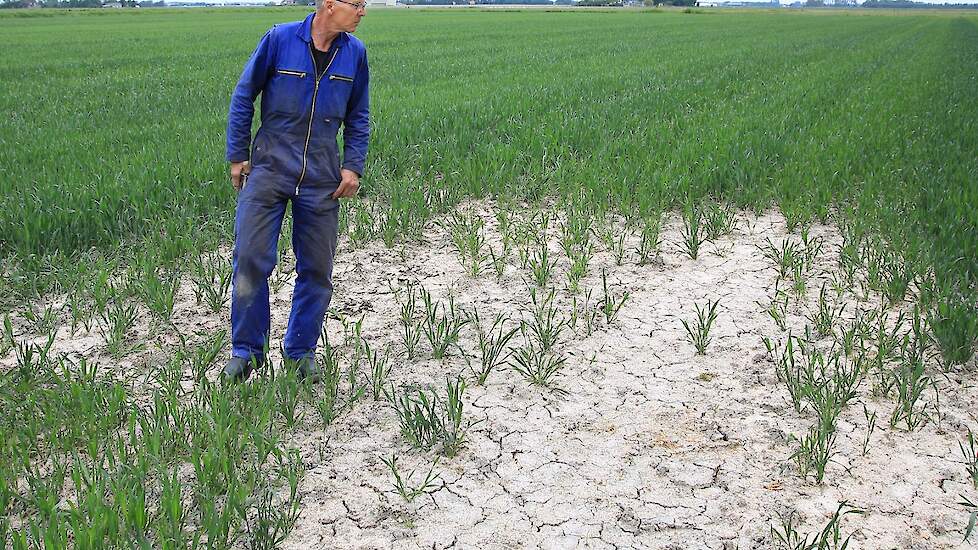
[239, 171]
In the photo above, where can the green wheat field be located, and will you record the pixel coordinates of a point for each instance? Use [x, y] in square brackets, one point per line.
[571, 153]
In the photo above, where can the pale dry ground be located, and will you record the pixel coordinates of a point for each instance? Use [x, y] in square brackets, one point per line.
[650, 447]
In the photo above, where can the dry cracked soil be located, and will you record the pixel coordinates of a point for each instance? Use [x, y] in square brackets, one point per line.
[641, 443]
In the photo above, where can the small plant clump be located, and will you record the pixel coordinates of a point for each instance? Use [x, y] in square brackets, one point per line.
[441, 324]
[694, 232]
[402, 482]
[428, 420]
[469, 240]
[699, 331]
[611, 303]
[787, 537]
[492, 345]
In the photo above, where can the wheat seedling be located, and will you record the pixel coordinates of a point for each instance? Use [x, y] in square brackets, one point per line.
[419, 418]
[117, 320]
[469, 241]
[499, 262]
[777, 310]
[204, 356]
[536, 365]
[852, 335]
[972, 508]
[910, 382]
[328, 405]
[614, 239]
[649, 239]
[718, 219]
[575, 232]
[456, 428]
[410, 335]
[402, 482]
[43, 322]
[896, 276]
[580, 258]
[870, 428]
[700, 335]
[7, 341]
[583, 309]
[823, 320]
[694, 232]
[798, 283]
[791, 372]
[953, 321]
[829, 538]
[541, 268]
[814, 451]
[492, 344]
[543, 325]
[970, 454]
[211, 277]
[380, 369]
[441, 330]
[159, 292]
[784, 258]
[427, 420]
[611, 304]
[355, 389]
[811, 249]
[287, 387]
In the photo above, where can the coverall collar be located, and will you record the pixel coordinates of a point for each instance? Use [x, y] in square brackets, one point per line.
[305, 32]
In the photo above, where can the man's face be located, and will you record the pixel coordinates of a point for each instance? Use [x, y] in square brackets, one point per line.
[344, 16]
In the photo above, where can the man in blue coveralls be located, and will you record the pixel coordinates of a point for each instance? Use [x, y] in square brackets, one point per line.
[313, 77]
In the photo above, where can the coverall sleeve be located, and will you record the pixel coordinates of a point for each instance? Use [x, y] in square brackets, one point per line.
[242, 109]
[356, 126]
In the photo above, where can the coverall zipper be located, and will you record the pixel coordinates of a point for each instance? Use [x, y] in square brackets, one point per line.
[312, 114]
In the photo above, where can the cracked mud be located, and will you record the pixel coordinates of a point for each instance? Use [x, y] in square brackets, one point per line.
[647, 445]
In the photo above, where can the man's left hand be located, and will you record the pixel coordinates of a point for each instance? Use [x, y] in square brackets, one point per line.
[349, 186]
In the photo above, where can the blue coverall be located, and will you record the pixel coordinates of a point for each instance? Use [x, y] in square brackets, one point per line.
[295, 158]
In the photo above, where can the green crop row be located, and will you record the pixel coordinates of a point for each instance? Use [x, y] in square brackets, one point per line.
[113, 134]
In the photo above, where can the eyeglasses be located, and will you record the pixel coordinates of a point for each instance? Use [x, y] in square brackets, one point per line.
[356, 5]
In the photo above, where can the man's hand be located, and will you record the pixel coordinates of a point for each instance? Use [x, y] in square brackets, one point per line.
[239, 172]
[349, 186]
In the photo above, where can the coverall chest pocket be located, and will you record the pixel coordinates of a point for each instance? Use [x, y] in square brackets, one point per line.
[339, 86]
[286, 90]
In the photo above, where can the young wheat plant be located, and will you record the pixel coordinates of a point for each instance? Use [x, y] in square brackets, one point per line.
[492, 346]
[402, 482]
[699, 334]
[611, 303]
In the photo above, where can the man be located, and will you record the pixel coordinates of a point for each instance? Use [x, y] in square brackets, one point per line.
[312, 76]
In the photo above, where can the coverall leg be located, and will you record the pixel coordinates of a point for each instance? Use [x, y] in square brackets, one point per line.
[257, 223]
[315, 217]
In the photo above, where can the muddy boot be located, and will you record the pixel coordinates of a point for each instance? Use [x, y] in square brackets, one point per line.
[238, 369]
[308, 370]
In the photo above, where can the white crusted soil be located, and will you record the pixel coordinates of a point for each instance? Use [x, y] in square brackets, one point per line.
[647, 445]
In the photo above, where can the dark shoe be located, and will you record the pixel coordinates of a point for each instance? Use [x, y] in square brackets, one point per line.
[238, 369]
[308, 370]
